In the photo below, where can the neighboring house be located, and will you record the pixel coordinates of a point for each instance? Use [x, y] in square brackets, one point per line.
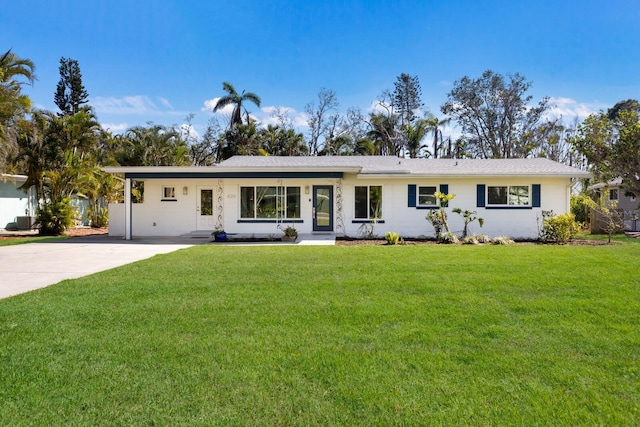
[17, 206]
[254, 195]
[626, 205]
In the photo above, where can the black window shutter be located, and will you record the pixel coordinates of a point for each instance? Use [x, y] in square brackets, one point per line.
[535, 197]
[411, 196]
[480, 196]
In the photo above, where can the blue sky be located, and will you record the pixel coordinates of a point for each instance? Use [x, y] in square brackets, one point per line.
[161, 60]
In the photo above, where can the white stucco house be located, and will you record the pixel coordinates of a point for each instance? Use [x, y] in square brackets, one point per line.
[254, 195]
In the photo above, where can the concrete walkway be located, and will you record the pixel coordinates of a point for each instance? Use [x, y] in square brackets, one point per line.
[32, 266]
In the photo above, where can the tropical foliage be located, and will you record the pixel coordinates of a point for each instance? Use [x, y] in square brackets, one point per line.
[62, 153]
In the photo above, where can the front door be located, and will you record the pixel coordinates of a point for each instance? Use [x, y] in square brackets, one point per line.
[204, 209]
[322, 208]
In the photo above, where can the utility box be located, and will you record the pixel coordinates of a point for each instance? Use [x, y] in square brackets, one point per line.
[25, 222]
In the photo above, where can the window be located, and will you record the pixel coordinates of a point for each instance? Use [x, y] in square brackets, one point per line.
[168, 193]
[269, 202]
[368, 202]
[613, 194]
[513, 195]
[427, 196]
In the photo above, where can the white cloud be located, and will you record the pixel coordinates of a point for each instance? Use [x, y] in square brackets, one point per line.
[210, 103]
[139, 104]
[378, 106]
[115, 127]
[188, 132]
[165, 102]
[571, 109]
[292, 117]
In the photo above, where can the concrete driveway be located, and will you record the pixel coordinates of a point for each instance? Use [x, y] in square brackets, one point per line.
[35, 265]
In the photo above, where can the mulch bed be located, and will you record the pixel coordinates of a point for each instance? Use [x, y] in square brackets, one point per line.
[86, 231]
[73, 232]
[349, 241]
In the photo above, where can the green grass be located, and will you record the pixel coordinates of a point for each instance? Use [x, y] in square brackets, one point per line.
[36, 239]
[395, 335]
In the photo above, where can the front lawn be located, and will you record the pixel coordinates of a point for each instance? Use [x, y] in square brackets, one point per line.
[294, 335]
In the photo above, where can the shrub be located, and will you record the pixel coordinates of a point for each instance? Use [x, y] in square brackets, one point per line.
[392, 238]
[449, 238]
[55, 217]
[476, 239]
[290, 231]
[482, 238]
[580, 207]
[366, 231]
[470, 240]
[99, 217]
[502, 240]
[559, 228]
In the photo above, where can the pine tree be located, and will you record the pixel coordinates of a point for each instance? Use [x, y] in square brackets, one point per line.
[406, 98]
[70, 92]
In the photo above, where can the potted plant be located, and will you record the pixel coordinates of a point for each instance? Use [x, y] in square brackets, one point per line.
[219, 235]
[290, 234]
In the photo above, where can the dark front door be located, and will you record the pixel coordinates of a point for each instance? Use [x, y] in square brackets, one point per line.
[322, 208]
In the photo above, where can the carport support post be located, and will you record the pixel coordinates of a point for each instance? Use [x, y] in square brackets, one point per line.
[127, 208]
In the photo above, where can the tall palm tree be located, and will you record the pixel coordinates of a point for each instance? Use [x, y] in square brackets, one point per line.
[415, 133]
[13, 104]
[12, 66]
[236, 99]
[383, 134]
[435, 126]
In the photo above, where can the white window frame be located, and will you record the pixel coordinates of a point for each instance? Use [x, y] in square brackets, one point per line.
[508, 204]
[168, 192]
[281, 191]
[369, 217]
[435, 199]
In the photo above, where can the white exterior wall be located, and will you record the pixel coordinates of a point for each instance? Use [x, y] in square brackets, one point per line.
[13, 201]
[411, 222]
[10, 209]
[155, 217]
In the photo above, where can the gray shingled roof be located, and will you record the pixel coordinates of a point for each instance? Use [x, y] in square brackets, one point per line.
[418, 167]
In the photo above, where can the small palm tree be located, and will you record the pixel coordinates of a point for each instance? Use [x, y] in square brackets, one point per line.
[235, 99]
[468, 217]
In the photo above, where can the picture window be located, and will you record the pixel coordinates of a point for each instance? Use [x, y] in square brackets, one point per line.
[270, 202]
[368, 202]
[512, 195]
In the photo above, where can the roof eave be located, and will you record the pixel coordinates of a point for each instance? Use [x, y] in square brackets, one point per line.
[224, 169]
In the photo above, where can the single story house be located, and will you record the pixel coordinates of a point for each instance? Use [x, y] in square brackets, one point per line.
[17, 205]
[255, 195]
